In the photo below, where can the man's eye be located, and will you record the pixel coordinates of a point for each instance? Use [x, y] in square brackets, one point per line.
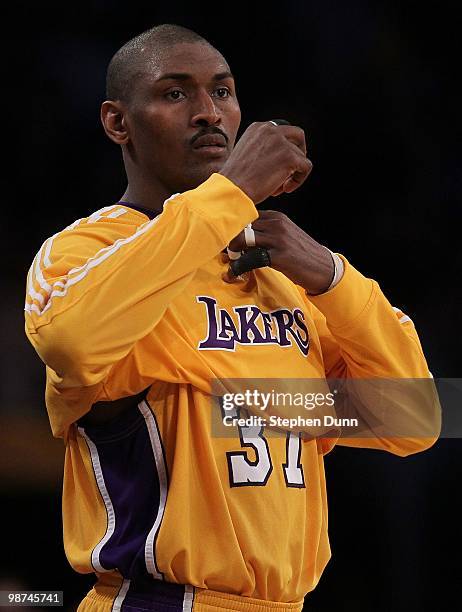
[222, 92]
[176, 94]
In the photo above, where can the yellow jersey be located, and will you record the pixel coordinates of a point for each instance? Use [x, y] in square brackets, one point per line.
[118, 303]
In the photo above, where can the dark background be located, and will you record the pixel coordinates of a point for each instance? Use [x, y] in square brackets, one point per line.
[374, 85]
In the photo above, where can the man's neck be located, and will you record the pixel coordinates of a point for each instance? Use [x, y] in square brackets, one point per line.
[146, 198]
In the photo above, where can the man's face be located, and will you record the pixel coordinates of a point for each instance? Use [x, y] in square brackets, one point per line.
[183, 117]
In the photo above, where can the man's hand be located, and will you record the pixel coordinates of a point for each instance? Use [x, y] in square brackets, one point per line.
[293, 252]
[268, 160]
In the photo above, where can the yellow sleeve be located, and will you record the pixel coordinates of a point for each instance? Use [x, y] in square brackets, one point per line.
[363, 337]
[102, 284]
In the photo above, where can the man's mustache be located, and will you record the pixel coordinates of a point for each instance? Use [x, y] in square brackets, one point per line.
[207, 132]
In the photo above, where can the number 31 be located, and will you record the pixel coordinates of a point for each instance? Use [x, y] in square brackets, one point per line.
[246, 473]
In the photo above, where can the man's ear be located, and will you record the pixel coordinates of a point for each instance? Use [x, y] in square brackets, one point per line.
[114, 123]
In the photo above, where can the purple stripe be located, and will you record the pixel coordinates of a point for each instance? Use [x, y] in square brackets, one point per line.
[129, 470]
[153, 595]
[146, 211]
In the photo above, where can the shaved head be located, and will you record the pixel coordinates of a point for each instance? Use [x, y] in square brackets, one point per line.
[140, 54]
[167, 88]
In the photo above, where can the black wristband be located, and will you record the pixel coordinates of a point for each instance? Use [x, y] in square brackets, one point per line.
[255, 257]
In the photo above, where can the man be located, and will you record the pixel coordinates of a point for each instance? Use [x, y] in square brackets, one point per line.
[135, 312]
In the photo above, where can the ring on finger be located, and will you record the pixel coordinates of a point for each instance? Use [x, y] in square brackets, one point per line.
[249, 236]
[233, 255]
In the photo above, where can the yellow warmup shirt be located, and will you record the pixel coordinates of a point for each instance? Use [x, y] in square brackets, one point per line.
[118, 303]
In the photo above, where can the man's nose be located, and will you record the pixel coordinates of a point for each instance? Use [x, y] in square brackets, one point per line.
[205, 111]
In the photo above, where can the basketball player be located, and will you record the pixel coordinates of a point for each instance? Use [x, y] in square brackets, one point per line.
[135, 311]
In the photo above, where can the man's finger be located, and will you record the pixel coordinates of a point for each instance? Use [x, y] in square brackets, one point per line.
[265, 231]
[295, 135]
[298, 177]
[262, 239]
[238, 243]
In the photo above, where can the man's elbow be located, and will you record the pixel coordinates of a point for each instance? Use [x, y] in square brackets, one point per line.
[403, 447]
[423, 434]
[68, 355]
